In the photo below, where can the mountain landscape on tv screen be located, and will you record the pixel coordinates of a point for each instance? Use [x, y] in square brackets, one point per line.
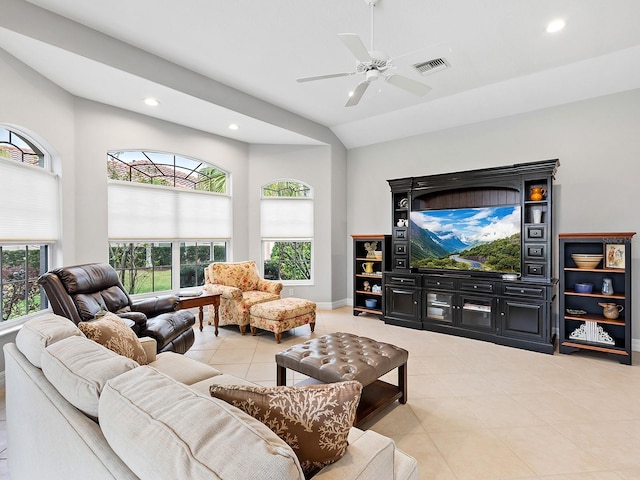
[482, 239]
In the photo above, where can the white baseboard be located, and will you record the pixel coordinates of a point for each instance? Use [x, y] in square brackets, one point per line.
[333, 305]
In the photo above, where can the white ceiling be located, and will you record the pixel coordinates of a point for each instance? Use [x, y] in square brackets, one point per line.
[502, 60]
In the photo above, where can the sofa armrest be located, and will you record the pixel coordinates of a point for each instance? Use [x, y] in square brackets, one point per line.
[149, 346]
[152, 307]
[136, 320]
[228, 292]
[369, 456]
[270, 286]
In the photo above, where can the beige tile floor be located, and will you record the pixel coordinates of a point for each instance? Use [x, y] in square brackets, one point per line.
[476, 410]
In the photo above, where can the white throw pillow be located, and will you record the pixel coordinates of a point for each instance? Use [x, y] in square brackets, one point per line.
[79, 369]
[41, 331]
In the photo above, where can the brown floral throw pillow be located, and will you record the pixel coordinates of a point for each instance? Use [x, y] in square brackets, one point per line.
[111, 332]
[313, 419]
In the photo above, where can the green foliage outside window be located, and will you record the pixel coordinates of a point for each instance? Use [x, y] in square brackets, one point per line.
[21, 267]
[142, 267]
[194, 258]
[286, 188]
[289, 261]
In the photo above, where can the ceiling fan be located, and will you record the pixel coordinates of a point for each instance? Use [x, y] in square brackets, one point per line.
[373, 64]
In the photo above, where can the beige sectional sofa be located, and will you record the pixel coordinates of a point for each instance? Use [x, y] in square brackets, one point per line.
[78, 410]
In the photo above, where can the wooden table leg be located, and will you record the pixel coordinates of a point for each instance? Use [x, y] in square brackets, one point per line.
[402, 382]
[200, 317]
[216, 319]
[281, 376]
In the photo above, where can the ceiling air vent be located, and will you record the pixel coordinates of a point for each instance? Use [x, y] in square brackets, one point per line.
[431, 66]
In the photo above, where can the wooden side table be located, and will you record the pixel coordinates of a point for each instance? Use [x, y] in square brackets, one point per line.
[206, 298]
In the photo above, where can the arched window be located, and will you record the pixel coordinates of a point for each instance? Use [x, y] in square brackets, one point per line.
[286, 226]
[166, 169]
[28, 224]
[169, 217]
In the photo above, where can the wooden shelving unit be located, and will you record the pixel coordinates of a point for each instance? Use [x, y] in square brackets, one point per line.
[368, 286]
[612, 336]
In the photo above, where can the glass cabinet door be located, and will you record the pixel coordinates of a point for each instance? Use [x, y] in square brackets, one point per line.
[476, 312]
[439, 306]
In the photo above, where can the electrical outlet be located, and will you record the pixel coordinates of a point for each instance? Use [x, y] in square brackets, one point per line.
[291, 292]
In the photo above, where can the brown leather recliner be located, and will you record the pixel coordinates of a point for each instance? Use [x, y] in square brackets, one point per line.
[81, 291]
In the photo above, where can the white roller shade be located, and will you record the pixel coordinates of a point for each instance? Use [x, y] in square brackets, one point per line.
[149, 212]
[29, 204]
[286, 218]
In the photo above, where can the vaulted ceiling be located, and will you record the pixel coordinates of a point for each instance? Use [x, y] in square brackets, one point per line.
[215, 62]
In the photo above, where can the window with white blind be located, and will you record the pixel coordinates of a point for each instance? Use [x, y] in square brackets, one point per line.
[169, 217]
[286, 229]
[28, 225]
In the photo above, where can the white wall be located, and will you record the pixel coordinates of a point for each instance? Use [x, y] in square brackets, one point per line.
[596, 189]
[100, 128]
[45, 113]
[311, 165]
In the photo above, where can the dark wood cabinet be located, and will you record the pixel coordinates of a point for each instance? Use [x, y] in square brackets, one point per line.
[583, 324]
[402, 300]
[525, 315]
[512, 313]
[479, 304]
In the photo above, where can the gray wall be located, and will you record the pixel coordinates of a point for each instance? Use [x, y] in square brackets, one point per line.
[597, 142]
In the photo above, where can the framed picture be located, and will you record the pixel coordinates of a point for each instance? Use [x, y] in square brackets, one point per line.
[614, 256]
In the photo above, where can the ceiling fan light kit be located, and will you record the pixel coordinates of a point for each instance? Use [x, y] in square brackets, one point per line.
[375, 64]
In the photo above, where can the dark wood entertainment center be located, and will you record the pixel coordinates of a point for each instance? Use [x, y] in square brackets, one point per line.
[473, 303]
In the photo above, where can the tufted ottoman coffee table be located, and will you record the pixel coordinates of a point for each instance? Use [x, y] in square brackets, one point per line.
[343, 356]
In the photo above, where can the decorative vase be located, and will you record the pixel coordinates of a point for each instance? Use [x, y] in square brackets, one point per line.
[611, 310]
[536, 214]
[367, 267]
[537, 193]
[607, 286]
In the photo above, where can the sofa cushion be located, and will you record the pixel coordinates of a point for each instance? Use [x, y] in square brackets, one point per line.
[313, 419]
[41, 331]
[183, 369]
[111, 332]
[79, 368]
[164, 429]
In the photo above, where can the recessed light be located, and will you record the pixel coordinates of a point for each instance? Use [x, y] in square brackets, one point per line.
[351, 93]
[555, 25]
[233, 126]
[152, 102]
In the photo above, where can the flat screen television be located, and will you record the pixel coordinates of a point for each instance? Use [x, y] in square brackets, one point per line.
[483, 239]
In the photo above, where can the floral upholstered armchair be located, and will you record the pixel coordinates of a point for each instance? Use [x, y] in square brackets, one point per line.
[241, 287]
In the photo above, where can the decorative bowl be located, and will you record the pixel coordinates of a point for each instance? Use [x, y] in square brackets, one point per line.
[370, 303]
[583, 287]
[587, 260]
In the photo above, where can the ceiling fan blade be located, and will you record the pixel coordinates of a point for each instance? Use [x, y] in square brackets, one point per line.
[408, 84]
[357, 94]
[354, 44]
[322, 77]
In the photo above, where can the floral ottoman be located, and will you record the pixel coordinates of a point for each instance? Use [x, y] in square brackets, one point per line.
[281, 315]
